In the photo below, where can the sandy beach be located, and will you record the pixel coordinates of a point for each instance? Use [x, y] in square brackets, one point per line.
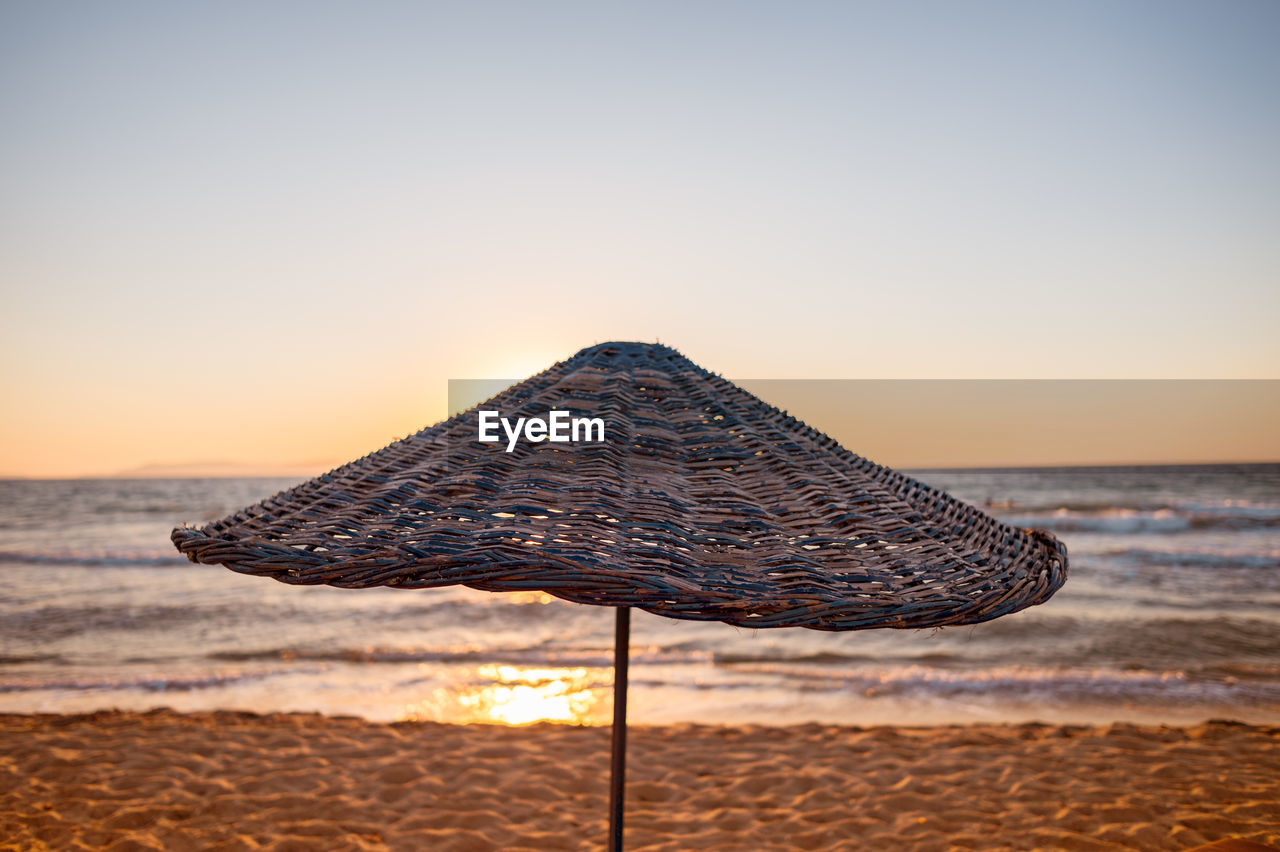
[173, 781]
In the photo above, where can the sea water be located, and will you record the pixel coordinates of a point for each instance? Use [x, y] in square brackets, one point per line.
[1171, 614]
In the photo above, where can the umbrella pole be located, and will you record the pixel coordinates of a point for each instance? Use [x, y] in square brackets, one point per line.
[618, 762]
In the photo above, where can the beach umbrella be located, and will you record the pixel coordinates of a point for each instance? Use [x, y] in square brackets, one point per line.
[628, 476]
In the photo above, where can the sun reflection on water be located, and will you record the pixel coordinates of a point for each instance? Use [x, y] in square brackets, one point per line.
[520, 695]
[523, 598]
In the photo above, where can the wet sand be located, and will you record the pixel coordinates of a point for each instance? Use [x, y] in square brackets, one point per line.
[171, 781]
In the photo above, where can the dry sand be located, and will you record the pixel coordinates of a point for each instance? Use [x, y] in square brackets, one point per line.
[165, 780]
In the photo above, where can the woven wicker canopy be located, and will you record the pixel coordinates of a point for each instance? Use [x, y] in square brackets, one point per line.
[702, 502]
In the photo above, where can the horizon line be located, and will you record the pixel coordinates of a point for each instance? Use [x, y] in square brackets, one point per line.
[126, 475]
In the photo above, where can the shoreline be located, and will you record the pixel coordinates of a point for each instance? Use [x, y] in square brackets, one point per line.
[168, 780]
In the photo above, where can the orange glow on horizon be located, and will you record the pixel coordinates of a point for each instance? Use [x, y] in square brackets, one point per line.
[904, 424]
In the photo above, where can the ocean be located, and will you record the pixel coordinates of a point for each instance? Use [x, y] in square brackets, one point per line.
[1171, 614]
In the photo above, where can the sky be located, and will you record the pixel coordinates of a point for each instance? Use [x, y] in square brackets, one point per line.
[270, 233]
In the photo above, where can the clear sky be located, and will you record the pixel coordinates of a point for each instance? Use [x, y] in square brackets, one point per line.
[271, 232]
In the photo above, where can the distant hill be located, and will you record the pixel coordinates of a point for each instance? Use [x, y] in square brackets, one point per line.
[226, 469]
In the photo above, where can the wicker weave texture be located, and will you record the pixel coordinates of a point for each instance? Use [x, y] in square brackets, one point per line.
[702, 503]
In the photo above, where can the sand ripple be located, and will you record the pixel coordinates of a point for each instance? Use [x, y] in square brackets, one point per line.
[170, 781]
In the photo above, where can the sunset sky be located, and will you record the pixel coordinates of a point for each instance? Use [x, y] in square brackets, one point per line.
[270, 233]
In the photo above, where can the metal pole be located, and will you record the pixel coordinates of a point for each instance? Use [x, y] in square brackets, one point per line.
[618, 763]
